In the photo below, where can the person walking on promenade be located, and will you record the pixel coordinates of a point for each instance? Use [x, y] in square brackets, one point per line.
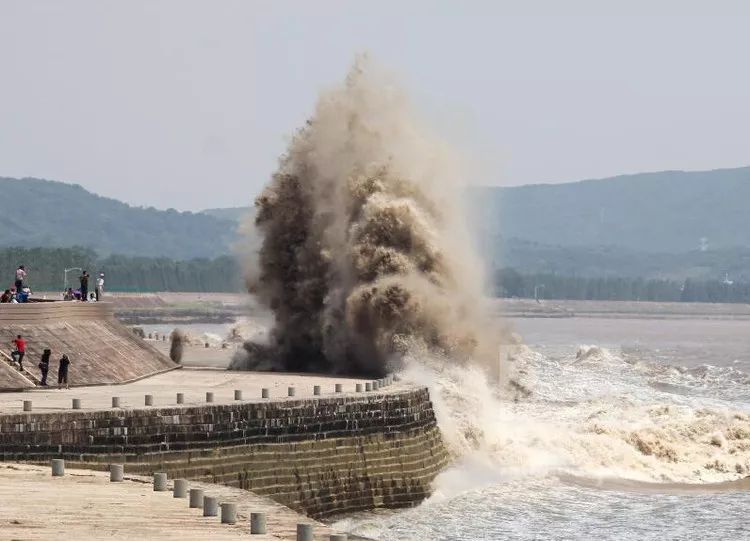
[84, 279]
[20, 351]
[44, 365]
[62, 372]
[100, 286]
[20, 277]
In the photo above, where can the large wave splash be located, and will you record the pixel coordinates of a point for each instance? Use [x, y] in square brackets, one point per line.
[590, 415]
[365, 253]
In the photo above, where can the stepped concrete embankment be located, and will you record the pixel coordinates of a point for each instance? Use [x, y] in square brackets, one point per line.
[319, 454]
[101, 349]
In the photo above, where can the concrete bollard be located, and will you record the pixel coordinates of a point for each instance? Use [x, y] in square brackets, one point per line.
[368, 386]
[27, 405]
[257, 523]
[150, 336]
[160, 482]
[338, 388]
[338, 537]
[76, 403]
[209, 397]
[358, 387]
[180, 489]
[207, 345]
[224, 345]
[149, 400]
[316, 389]
[237, 394]
[210, 506]
[304, 532]
[116, 472]
[228, 513]
[163, 337]
[290, 391]
[180, 398]
[58, 467]
[115, 401]
[196, 498]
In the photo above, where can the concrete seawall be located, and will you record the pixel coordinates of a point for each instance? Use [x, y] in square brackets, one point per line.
[321, 456]
[101, 349]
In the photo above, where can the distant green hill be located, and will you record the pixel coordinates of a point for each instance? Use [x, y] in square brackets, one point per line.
[666, 212]
[235, 214]
[669, 224]
[54, 214]
[671, 211]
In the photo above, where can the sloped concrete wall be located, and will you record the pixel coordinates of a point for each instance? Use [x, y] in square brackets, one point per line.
[320, 456]
[101, 349]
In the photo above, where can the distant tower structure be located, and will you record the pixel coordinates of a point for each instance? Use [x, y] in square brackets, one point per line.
[703, 244]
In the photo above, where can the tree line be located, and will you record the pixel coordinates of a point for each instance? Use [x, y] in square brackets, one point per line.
[508, 282]
[46, 268]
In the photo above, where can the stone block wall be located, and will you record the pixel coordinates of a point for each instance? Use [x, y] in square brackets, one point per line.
[320, 456]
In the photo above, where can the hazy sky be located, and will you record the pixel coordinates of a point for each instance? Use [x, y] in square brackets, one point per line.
[188, 104]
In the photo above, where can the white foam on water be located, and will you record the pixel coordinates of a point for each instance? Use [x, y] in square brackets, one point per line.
[590, 415]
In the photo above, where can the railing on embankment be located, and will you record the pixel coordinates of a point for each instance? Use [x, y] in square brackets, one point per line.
[319, 456]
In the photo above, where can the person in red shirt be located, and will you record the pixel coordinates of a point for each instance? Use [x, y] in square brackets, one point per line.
[20, 351]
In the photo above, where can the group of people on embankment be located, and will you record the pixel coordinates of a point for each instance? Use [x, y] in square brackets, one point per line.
[82, 294]
[19, 352]
[20, 291]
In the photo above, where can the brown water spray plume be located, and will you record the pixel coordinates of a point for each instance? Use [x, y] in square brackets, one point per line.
[365, 253]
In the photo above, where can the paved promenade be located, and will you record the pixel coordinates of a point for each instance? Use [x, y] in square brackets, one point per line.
[193, 383]
[84, 504]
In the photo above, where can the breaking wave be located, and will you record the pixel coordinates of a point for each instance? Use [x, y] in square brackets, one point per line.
[589, 414]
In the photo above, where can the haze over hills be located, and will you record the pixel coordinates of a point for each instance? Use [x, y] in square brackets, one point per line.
[670, 211]
[669, 224]
[43, 213]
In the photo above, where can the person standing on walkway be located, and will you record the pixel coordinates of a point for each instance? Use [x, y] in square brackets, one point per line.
[20, 277]
[20, 351]
[62, 372]
[100, 286]
[84, 279]
[44, 365]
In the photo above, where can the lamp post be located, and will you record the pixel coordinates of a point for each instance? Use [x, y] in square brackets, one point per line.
[536, 291]
[65, 276]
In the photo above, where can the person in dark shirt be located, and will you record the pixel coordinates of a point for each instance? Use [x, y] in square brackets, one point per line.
[62, 372]
[44, 365]
[5, 297]
[84, 286]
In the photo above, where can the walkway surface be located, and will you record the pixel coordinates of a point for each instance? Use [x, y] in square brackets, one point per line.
[84, 504]
[192, 382]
